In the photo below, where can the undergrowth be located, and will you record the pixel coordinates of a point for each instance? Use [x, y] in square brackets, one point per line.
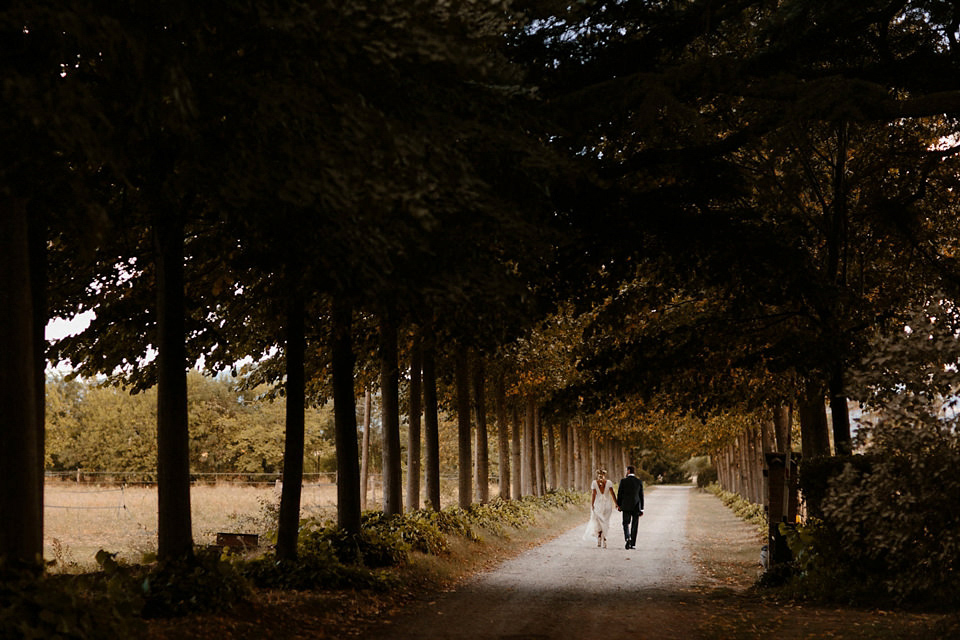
[114, 601]
[743, 508]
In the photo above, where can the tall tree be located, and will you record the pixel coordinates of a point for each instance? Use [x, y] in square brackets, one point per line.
[174, 526]
[390, 390]
[21, 446]
[431, 422]
[482, 450]
[415, 421]
[288, 528]
[503, 435]
[344, 401]
[365, 448]
[462, 381]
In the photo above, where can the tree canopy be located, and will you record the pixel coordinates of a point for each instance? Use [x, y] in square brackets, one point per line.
[667, 215]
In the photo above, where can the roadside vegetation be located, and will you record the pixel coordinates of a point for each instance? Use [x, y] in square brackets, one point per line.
[394, 554]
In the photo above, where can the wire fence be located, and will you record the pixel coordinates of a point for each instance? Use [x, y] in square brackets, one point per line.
[119, 507]
[86, 476]
[108, 478]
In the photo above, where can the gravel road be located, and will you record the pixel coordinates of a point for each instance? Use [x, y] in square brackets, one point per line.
[569, 588]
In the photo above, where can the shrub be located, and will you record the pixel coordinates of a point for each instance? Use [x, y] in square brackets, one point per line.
[706, 477]
[67, 606]
[895, 524]
[329, 557]
[205, 582]
[743, 508]
[890, 528]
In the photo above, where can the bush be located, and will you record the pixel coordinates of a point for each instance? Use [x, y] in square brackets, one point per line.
[203, 583]
[329, 557]
[743, 508]
[816, 474]
[890, 533]
[67, 606]
[706, 477]
[665, 469]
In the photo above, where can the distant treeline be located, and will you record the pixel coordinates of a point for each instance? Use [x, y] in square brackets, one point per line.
[106, 428]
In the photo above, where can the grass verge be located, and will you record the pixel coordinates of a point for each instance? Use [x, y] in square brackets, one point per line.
[346, 613]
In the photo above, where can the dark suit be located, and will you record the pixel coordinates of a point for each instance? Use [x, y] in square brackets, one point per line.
[630, 499]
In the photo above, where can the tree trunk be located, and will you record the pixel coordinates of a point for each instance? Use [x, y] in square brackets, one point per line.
[431, 424]
[594, 459]
[782, 419]
[483, 452]
[365, 448]
[462, 374]
[37, 238]
[564, 478]
[551, 459]
[839, 414]
[390, 414]
[516, 452]
[814, 434]
[529, 465]
[174, 528]
[289, 524]
[837, 267]
[577, 457]
[413, 439]
[538, 453]
[503, 435]
[21, 496]
[345, 419]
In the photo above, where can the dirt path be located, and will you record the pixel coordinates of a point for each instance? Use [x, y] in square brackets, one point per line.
[687, 579]
[569, 588]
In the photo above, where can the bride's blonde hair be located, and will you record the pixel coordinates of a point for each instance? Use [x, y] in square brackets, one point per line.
[601, 472]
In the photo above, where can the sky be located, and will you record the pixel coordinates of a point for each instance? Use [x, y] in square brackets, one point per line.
[59, 328]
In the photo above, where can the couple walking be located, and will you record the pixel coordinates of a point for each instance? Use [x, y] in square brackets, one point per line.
[628, 500]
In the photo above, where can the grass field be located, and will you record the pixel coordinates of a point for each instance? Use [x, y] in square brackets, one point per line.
[80, 519]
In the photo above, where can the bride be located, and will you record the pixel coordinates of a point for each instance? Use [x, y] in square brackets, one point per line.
[602, 502]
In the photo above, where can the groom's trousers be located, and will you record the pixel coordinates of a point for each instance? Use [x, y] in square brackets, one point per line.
[630, 521]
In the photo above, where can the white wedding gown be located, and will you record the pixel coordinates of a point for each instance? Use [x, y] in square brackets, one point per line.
[600, 514]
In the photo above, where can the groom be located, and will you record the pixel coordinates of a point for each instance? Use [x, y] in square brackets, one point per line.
[630, 502]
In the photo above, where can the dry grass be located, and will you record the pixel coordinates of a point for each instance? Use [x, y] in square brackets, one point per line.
[80, 519]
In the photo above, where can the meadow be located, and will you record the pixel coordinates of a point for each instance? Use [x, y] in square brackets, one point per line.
[82, 518]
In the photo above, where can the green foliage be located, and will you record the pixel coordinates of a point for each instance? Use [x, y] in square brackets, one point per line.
[316, 567]
[666, 468]
[706, 477]
[816, 474]
[890, 532]
[206, 582]
[378, 544]
[231, 430]
[89, 607]
[417, 529]
[329, 557]
[891, 528]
